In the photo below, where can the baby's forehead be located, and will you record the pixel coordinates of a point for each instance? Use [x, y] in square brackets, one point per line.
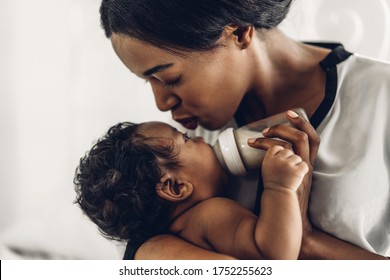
[156, 129]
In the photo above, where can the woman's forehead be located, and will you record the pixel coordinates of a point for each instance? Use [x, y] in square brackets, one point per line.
[139, 56]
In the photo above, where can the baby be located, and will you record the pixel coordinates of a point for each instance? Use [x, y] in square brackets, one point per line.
[141, 180]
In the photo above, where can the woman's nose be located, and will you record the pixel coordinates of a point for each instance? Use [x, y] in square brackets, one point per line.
[164, 97]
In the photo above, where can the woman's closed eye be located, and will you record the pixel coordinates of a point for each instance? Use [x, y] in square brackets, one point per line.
[172, 82]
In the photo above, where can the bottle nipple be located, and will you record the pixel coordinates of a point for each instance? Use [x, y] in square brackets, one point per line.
[228, 154]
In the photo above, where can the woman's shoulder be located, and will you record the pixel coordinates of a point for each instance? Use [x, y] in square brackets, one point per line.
[364, 77]
[366, 67]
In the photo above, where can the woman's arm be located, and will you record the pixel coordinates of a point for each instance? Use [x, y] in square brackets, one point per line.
[316, 244]
[170, 247]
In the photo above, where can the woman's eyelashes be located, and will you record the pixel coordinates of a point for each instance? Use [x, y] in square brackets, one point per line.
[169, 83]
[172, 82]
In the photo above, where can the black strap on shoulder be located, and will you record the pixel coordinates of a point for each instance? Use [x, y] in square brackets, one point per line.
[329, 65]
[337, 55]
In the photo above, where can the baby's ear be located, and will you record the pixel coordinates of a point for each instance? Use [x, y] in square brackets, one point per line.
[171, 189]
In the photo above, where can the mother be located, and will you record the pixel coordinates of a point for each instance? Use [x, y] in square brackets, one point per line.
[214, 63]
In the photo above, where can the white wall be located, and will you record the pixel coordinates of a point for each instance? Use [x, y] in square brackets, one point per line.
[61, 86]
[363, 26]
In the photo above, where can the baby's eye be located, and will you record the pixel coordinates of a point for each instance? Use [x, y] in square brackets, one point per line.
[186, 137]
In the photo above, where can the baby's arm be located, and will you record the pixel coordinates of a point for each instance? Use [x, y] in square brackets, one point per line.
[223, 225]
[279, 229]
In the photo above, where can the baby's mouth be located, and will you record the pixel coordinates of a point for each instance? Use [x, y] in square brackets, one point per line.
[189, 123]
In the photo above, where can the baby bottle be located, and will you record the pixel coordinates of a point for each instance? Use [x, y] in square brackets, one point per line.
[233, 151]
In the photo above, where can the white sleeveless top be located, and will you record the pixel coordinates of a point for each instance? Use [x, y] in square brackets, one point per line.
[350, 195]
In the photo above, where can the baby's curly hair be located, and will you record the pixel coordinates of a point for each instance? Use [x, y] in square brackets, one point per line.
[115, 184]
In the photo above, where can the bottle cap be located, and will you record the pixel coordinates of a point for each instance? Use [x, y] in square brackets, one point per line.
[230, 152]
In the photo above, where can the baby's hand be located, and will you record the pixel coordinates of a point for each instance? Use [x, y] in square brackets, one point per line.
[282, 168]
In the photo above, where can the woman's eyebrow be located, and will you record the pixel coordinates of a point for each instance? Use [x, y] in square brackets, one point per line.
[156, 69]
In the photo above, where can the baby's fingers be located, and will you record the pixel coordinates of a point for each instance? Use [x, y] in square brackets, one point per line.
[294, 159]
[303, 167]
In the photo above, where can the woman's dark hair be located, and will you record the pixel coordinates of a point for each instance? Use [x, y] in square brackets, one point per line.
[187, 24]
[115, 184]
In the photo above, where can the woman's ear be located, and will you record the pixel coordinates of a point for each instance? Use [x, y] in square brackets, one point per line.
[169, 188]
[242, 36]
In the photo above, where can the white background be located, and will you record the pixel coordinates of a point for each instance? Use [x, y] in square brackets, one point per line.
[61, 87]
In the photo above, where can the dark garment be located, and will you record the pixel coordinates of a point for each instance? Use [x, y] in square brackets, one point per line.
[131, 249]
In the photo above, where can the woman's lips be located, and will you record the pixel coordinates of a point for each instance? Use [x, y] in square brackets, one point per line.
[189, 123]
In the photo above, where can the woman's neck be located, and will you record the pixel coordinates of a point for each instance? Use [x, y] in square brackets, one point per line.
[286, 74]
